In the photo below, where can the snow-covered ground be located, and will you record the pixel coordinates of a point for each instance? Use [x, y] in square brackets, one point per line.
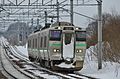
[23, 50]
[110, 70]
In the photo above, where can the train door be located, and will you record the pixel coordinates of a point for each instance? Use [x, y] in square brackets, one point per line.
[68, 45]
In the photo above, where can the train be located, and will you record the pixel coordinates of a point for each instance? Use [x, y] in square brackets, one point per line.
[61, 46]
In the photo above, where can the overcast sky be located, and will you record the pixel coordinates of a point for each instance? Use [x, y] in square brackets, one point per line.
[108, 6]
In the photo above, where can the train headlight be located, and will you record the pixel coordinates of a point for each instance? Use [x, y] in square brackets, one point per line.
[79, 50]
[59, 27]
[77, 28]
[56, 50]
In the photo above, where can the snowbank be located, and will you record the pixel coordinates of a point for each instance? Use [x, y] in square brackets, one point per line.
[63, 65]
[23, 50]
[110, 70]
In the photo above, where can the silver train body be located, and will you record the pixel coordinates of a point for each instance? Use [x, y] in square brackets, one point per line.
[57, 45]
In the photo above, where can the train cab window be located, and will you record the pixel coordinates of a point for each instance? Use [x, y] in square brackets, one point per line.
[80, 35]
[68, 37]
[68, 28]
[55, 35]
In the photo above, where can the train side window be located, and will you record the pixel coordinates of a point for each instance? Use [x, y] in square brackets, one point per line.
[41, 42]
[33, 43]
[38, 42]
[45, 40]
[29, 43]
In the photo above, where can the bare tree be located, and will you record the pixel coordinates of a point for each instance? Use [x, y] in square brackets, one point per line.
[111, 37]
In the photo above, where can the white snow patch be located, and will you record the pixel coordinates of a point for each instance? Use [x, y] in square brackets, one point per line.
[29, 67]
[110, 70]
[68, 50]
[64, 65]
[78, 76]
[43, 74]
[23, 50]
[13, 58]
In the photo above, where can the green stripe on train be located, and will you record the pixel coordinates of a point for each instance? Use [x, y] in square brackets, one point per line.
[57, 44]
[81, 45]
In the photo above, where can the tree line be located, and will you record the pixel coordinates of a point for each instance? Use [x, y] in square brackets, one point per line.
[111, 36]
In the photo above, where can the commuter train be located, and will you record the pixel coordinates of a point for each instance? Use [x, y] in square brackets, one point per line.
[60, 46]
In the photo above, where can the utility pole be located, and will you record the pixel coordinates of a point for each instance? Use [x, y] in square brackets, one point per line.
[99, 34]
[57, 12]
[71, 11]
[16, 2]
[32, 24]
[28, 7]
[45, 18]
[42, 2]
[37, 22]
[3, 2]
[29, 2]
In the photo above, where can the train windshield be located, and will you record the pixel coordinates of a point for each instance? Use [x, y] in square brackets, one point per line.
[68, 37]
[80, 35]
[55, 35]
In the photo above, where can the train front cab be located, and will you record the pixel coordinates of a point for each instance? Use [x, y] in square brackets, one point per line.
[55, 46]
[67, 46]
[80, 49]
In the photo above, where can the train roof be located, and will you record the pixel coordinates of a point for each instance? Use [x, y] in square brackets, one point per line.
[61, 24]
[58, 26]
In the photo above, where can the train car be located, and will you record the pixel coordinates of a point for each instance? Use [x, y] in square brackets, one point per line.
[61, 46]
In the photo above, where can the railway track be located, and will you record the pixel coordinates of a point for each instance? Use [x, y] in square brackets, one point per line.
[75, 74]
[12, 69]
[3, 73]
[28, 68]
[23, 66]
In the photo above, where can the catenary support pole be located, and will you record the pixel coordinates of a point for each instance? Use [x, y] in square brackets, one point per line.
[71, 11]
[45, 17]
[57, 11]
[99, 34]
